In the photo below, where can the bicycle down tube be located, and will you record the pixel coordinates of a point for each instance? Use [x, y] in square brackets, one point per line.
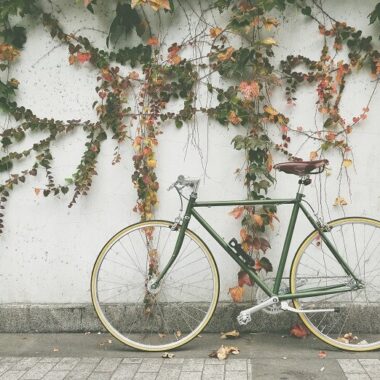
[297, 205]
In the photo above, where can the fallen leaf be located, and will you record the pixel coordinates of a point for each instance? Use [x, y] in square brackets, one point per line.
[223, 352]
[322, 354]
[299, 331]
[168, 355]
[230, 335]
[55, 349]
[236, 293]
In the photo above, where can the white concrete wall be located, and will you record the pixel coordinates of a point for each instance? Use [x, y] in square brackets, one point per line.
[47, 250]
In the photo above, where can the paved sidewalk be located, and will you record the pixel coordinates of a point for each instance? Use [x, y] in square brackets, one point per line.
[263, 356]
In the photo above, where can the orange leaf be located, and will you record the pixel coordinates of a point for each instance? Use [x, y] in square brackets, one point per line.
[226, 55]
[269, 162]
[215, 32]
[258, 219]
[72, 59]
[237, 212]
[322, 354]
[236, 293]
[249, 90]
[37, 190]
[83, 57]
[153, 41]
[243, 234]
[347, 163]
[233, 118]
[175, 59]
[86, 3]
[299, 331]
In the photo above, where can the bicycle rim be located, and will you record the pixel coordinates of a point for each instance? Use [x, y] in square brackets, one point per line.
[355, 325]
[162, 319]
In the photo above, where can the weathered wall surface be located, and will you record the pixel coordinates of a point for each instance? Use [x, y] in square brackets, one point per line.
[47, 250]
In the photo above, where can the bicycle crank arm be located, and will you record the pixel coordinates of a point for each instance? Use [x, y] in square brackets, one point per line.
[286, 307]
[245, 315]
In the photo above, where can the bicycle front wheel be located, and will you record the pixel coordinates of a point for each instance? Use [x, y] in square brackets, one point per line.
[355, 323]
[154, 319]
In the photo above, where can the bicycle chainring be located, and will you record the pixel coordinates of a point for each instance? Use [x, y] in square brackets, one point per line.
[261, 296]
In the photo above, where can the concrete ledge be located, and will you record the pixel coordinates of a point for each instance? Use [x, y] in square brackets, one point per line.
[57, 318]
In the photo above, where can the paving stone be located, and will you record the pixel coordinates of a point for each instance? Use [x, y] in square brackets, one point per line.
[49, 359]
[173, 361]
[209, 369]
[108, 364]
[66, 364]
[131, 360]
[235, 375]
[100, 376]
[10, 359]
[357, 376]
[236, 365]
[145, 376]
[212, 377]
[25, 364]
[214, 361]
[90, 360]
[190, 376]
[193, 365]
[5, 367]
[168, 373]
[55, 375]
[38, 371]
[125, 371]
[81, 371]
[372, 367]
[150, 365]
[351, 366]
[12, 375]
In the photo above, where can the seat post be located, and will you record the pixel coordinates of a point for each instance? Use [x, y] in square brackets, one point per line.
[303, 181]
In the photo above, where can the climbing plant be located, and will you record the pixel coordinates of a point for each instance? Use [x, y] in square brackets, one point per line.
[158, 73]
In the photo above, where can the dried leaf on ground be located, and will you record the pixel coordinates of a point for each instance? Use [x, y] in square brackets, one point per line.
[223, 352]
[299, 331]
[168, 355]
[230, 335]
[322, 354]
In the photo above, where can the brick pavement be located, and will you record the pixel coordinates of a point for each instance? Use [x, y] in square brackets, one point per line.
[111, 368]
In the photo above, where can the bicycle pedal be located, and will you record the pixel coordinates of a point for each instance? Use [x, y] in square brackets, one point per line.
[243, 318]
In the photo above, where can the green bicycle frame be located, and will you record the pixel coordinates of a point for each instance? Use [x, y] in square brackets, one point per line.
[297, 205]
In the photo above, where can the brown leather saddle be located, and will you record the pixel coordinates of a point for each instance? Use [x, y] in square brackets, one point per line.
[302, 168]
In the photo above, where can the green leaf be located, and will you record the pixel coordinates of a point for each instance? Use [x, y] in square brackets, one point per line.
[266, 264]
[306, 11]
[375, 14]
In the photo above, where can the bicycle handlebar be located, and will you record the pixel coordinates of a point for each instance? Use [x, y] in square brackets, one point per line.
[182, 182]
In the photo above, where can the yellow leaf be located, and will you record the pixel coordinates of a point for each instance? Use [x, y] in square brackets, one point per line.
[270, 22]
[270, 110]
[313, 155]
[269, 41]
[226, 55]
[339, 201]
[230, 335]
[215, 32]
[347, 163]
[236, 293]
[234, 118]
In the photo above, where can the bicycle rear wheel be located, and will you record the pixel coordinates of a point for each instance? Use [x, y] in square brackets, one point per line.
[355, 325]
[154, 319]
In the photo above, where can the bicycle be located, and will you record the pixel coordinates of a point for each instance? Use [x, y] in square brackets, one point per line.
[155, 284]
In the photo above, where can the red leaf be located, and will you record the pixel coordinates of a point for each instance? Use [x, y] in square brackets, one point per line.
[244, 279]
[83, 57]
[237, 212]
[299, 331]
[264, 244]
